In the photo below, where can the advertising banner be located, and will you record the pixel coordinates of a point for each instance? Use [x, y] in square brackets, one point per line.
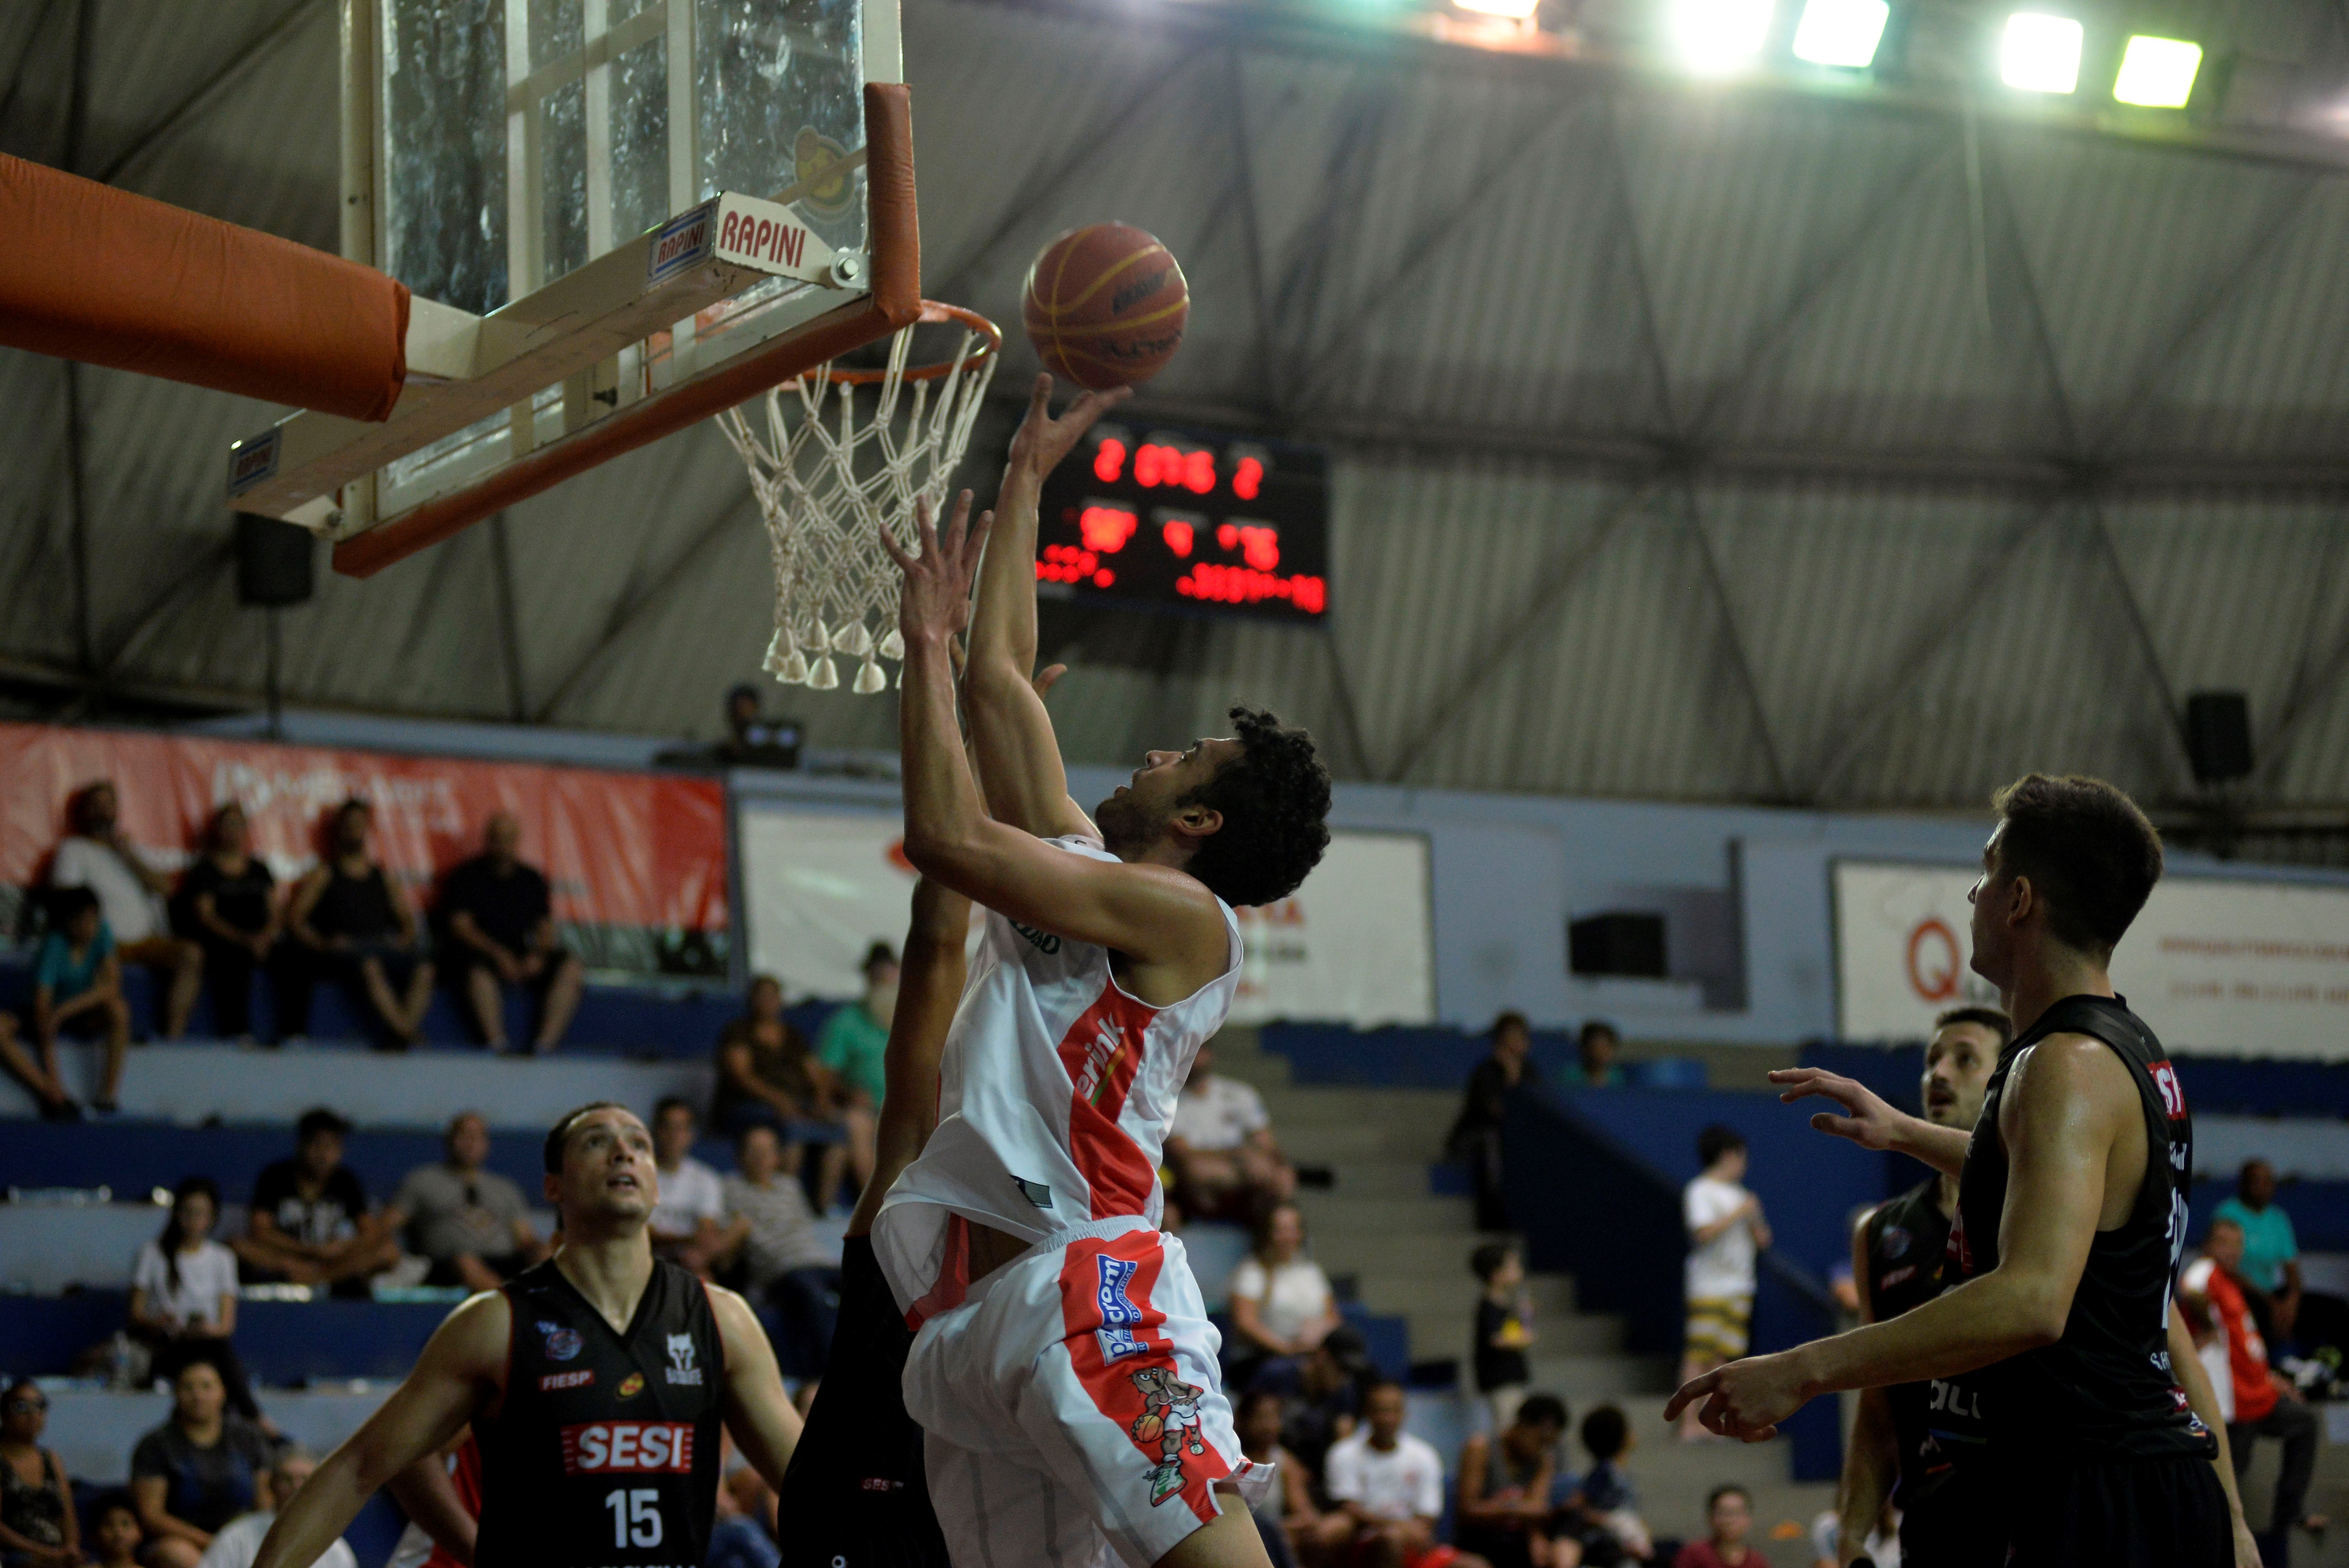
[2219, 965]
[1354, 945]
[620, 849]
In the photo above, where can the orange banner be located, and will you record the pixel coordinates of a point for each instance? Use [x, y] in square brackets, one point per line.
[620, 849]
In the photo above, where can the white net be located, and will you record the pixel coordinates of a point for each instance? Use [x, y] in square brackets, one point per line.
[841, 457]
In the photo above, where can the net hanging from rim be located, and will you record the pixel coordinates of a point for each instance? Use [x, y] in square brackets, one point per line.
[828, 479]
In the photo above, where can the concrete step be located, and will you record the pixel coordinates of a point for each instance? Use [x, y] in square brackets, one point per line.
[1330, 1214]
[1586, 1381]
[1451, 1332]
[1347, 1143]
[1553, 1295]
[1376, 1178]
[1371, 1254]
[1428, 1111]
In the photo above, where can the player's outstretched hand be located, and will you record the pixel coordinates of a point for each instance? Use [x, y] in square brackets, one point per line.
[1745, 1400]
[935, 597]
[1042, 440]
[1868, 1121]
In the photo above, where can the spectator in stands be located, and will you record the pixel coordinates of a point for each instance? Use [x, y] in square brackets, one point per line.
[183, 1294]
[1324, 1398]
[500, 921]
[2264, 1403]
[1725, 1232]
[78, 988]
[228, 906]
[1595, 1050]
[1226, 1163]
[1388, 1486]
[130, 895]
[196, 1471]
[359, 928]
[1281, 1303]
[238, 1542]
[786, 1263]
[850, 1044]
[688, 1224]
[310, 1222]
[1504, 1489]
[1504, 1329]
[114, 1529]
[469, 1223]
[2270, 1270]
[1729, 1514]
[767, 1077]
[1476, 1134]
[37, 1528]
[1288, 1520]
[1603, 1510]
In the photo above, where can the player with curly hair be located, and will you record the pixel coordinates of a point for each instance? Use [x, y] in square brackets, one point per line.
[1061, 1339]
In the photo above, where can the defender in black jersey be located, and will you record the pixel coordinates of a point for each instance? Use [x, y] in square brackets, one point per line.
[856, 1493]
[1902, 1448]
[595, 1383]
[2061, 1338]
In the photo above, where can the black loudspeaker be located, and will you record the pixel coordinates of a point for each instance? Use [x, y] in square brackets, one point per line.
[274, 564]
[1618, 942]
[2218, 735]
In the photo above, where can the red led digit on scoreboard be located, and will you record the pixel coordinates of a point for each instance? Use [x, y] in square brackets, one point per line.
[1247, 478]
[1109, 461]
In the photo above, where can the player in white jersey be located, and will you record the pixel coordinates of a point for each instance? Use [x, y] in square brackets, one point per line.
[1063, 1369]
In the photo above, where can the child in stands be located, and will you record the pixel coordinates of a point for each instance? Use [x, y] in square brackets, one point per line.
[1504, 1330]
[114, 1529]
[1603, 1511]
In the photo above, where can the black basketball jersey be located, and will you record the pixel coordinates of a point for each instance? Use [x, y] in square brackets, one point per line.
[605, 1451]
[2105, 1390]
[856, 1495]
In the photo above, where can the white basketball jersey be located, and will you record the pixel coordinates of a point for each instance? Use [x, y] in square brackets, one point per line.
[1055, 1094]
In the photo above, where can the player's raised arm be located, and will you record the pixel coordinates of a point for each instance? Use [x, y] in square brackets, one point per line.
[930, 986]
[766, 1427]
[1153, 914]
[461, 1365]
[1020, 757]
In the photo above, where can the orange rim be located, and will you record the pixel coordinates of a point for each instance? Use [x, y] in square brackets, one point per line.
[934, 313]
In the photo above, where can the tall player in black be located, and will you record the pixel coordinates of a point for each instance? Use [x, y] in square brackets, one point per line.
[857, 1494]
[1897, 1438]
[2101, 1429]
[595, 1383]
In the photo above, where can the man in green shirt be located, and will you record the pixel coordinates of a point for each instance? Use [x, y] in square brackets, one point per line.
[2270, 1252]
[1594, 1065]
[852, 1040]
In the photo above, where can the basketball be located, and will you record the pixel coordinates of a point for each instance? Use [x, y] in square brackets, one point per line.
[1105, 306]
[1149, 1428]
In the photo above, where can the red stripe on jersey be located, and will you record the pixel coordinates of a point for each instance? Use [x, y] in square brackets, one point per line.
[1126, 1366]
[1102, 1052]
[954, 1276]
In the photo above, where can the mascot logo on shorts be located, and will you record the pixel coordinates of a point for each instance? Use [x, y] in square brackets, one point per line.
[1170, 1418]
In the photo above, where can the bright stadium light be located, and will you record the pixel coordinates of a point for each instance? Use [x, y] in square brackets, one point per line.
[1840, 32]
[2042, 53]
[1717, 37]
[2157, 73]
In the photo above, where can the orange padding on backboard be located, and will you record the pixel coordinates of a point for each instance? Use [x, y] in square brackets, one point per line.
[102, 275]
[895, 242]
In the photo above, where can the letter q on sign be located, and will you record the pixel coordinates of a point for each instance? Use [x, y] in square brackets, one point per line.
[1933, 960]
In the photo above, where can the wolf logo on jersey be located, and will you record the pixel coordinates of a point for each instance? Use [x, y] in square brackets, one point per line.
[1170, 1416]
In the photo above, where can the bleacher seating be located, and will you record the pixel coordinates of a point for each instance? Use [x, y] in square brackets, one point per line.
[1432, 1056]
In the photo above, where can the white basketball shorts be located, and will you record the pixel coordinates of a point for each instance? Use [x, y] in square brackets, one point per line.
[1072, 1407]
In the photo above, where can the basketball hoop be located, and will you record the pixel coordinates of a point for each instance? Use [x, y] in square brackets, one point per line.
[825, 495]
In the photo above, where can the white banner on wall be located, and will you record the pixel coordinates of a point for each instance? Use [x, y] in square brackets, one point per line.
[2224, 966]
[1354, 945]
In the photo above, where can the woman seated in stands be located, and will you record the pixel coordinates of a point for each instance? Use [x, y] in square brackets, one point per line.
[360, 928]
[37, 1529]
[1281, 1303]
[183, 1294]
[228, 903]
[197, 1470]
[768, 1076]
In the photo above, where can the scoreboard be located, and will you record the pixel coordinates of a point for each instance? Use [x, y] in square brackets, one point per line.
[1188, 519]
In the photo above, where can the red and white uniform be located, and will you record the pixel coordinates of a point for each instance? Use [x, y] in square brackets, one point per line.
[1071, 1399]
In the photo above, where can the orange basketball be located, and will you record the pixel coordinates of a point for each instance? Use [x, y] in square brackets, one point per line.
[1105, 306]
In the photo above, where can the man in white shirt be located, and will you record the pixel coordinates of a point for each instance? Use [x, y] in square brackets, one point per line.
[1389, 1483]
[130, 895]
[688, 1224]
[1224, 1159]
[1725, 1230]
[239, 1541]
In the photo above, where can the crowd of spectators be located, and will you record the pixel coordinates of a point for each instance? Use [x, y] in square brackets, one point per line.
[1225, 1162]
[226, 925]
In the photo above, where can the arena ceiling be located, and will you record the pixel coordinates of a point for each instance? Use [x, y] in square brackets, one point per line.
[1692, 442]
